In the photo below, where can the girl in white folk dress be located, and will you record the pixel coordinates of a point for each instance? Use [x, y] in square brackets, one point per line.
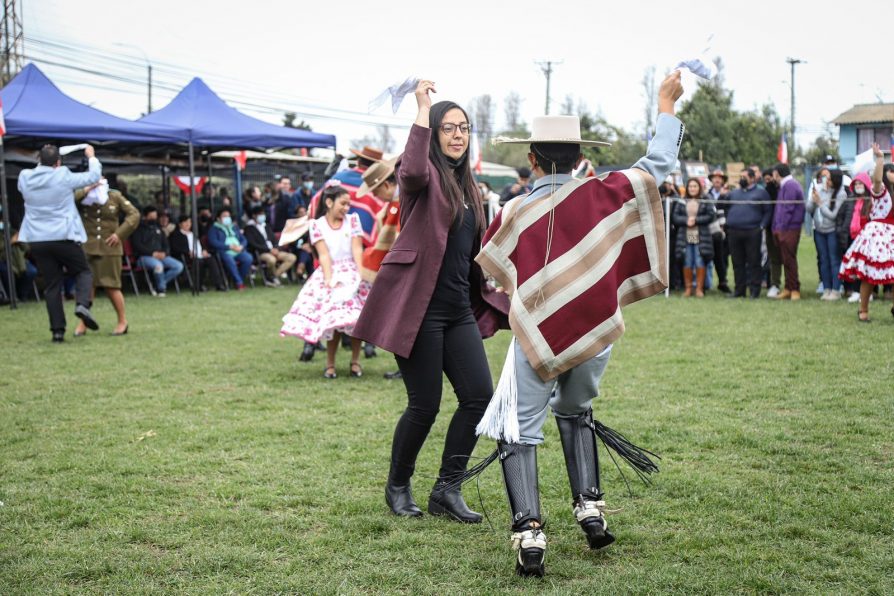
[332, 298]
[871, 257]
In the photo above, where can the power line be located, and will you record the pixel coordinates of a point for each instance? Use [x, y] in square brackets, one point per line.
[231, 89]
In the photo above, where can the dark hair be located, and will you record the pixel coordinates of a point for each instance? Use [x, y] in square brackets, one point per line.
[456, 177]
[782, 169]
[562, 155]
[223, 210]
[888, 185]
[523, 172]
[837, 179]
[330, 192]
[149, 209]
[362, 162]
[49, 155]
[767, 172]
[256, 210]
[701, 188]
[183, 218]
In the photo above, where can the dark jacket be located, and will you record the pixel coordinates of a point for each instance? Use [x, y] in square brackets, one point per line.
[256, 241]
[149, 238]
[742, 214]
[180, 245]
[843, 224]
[706, 214]
[406, 281]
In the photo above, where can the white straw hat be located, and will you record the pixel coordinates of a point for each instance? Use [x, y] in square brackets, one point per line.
[553, 129]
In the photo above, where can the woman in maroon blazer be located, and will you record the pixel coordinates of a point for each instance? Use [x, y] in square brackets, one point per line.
[430, 304]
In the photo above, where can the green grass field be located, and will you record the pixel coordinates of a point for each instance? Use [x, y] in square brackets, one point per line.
[197, 455]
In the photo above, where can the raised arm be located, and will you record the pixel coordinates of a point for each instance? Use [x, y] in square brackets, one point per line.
[413, 172]
[661, 156]
[877, 185]
[91, 176]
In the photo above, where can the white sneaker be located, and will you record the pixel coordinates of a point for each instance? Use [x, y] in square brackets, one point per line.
[826, 295]
[834, 295]
[854, 297]
[820, 289]
[269, 283]
[161, 295]
[773, 292]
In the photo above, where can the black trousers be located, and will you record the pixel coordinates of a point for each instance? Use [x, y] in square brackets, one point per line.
[51, 257]
[745, 250]
[448, 342]
[721, 254]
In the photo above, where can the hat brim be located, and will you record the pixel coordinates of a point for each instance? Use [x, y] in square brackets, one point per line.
[528, 141]
[365, 189]
[365, 156]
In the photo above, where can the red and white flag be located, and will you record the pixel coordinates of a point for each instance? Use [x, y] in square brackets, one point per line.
[475, 154]
[782, 152]
[182, 183]
[2, 121]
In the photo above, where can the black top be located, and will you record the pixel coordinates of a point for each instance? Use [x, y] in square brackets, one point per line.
[453, 279]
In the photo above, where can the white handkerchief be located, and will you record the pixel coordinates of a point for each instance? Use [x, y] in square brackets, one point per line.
[397, 92]
[863, 162]
[98, 196]
[700, 67]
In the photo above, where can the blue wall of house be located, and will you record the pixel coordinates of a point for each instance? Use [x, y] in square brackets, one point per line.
[847, 143]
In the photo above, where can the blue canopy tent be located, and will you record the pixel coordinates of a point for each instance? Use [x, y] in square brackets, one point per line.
[204, 120]
[37, 112]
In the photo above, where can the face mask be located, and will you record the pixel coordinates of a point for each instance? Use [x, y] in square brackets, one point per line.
[227, 221]
[262, 219]
[743, 182]
[859, 189]
[308, 185]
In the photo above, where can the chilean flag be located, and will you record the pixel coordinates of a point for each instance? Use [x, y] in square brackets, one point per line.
[892, 134]
[3, 122]
[782, 152]
[475, 154]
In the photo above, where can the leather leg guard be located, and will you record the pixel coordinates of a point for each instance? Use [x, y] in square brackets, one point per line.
[519, 463]
[582, 461]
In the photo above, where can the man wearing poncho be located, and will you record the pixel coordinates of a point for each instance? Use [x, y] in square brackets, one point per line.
[571, 253]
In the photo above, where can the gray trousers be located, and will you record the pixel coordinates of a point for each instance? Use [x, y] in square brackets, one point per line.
[574, 393]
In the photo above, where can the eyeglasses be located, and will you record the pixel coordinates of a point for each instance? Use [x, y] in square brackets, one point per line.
[449, 129]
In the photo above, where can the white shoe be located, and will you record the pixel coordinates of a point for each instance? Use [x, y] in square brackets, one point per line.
[276, 282]
[161, 295]
[834, 295]
[854, 297]
[826, 295]
[820, 289]
[269, 283]
[773, 292]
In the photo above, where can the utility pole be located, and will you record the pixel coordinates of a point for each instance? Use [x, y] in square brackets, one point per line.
[149, 68]
[12, 41]
[793, 62]
[547, 67]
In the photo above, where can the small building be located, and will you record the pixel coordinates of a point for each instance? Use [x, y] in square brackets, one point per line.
[863, 125]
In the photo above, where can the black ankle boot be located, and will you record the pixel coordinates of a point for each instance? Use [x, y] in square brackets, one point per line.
[449, 501]
[519, 463]
[400, 500]
[582, 461]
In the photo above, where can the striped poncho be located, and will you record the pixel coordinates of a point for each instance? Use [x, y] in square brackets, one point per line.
[571, 259]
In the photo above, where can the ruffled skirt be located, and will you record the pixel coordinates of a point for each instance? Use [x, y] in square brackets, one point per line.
[320, 310]
[871, 256]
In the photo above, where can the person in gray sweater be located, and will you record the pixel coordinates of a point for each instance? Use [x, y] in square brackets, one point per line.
[825, 201]
[748, 213]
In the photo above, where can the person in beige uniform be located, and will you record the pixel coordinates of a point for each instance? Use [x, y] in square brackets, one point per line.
[101, 210]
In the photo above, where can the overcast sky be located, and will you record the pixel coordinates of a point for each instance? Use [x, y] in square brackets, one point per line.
[340, 55]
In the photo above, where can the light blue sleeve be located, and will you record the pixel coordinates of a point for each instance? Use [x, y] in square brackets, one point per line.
[87, 178]
[661, 156]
